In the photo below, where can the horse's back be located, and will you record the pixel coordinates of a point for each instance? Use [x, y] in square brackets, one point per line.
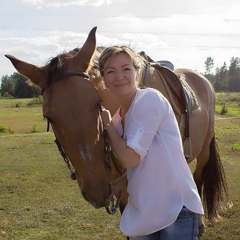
[200, 85]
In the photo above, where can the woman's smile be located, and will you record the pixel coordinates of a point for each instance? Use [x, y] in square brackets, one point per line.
[121, 85]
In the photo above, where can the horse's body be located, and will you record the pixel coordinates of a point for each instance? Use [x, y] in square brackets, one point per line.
[70, 102]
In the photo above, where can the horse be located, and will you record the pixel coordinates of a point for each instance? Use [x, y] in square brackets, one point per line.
[72, 92]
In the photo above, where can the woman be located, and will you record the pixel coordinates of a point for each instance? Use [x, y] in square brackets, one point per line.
[163, 199]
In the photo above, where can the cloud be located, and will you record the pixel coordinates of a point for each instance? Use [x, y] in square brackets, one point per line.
[183, 32]
[39, 49]
[40, 4]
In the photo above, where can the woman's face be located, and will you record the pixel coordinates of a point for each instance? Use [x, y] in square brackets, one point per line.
[120, 75]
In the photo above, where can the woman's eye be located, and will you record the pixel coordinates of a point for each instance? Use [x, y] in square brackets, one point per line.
[126, 69]
[109, 72]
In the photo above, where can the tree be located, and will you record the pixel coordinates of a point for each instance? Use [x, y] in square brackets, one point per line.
[234, 75]
[22, 90]
[221, 79]
[16, 85]
[209, 64]
[7, 86]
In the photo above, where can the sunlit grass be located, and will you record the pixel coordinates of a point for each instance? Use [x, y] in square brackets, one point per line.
[22, 119]
[229, 102]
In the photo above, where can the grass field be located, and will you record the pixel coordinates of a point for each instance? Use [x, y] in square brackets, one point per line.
[38, 201]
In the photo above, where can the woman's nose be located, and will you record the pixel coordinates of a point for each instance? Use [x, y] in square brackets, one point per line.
[119, 76]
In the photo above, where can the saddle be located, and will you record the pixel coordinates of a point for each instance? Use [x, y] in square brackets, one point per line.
[186, 100]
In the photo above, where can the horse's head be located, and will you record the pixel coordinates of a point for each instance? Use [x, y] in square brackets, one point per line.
[71, 104]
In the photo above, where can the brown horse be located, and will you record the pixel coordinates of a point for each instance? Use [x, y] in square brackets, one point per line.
[71, 104]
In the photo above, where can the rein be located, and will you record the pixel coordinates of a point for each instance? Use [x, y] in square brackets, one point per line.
[112, 209]
[66, 160]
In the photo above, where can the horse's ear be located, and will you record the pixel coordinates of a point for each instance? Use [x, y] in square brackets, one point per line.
[84, 56]
[33, 72]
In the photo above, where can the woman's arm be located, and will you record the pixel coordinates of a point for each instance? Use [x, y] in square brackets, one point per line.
[128, 157]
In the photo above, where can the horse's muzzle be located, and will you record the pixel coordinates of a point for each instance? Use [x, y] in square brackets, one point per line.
[98, 201]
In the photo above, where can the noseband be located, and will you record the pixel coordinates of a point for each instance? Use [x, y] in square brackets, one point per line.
[109, 155]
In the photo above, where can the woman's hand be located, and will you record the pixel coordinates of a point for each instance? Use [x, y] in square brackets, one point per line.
[106, 116]
[128, 157]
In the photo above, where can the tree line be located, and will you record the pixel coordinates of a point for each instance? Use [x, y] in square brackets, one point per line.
[223, 79]
[18, 86]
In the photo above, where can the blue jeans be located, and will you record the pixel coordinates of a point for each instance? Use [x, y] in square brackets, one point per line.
[184, 228]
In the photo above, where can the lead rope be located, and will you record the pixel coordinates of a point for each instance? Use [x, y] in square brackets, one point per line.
[113, 207]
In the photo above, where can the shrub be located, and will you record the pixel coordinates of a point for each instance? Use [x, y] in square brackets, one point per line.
[236, 147]
[224, 110]
[35, 102]
[34, 129]
[4, 129]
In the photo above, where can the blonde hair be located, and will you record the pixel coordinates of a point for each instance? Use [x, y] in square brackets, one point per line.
[113, 51]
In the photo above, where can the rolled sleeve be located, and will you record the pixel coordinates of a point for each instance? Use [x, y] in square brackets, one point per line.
[134, 144]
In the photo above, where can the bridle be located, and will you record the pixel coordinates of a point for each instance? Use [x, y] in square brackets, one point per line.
[113, 207]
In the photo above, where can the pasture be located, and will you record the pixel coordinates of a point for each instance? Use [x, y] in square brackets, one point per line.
[39, 201]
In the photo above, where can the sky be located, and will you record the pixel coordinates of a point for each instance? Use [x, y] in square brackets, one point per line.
[184, 32]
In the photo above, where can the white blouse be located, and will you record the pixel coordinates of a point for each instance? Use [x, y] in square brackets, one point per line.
[162, 183]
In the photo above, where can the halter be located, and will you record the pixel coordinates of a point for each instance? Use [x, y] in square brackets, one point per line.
[112, 209]
[66, 75]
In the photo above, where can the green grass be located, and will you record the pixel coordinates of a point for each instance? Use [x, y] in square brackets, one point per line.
[39, 201]
[228, 135]
[24, 119]
[230, 102]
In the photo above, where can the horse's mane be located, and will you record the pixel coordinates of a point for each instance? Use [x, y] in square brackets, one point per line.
[56, 66]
